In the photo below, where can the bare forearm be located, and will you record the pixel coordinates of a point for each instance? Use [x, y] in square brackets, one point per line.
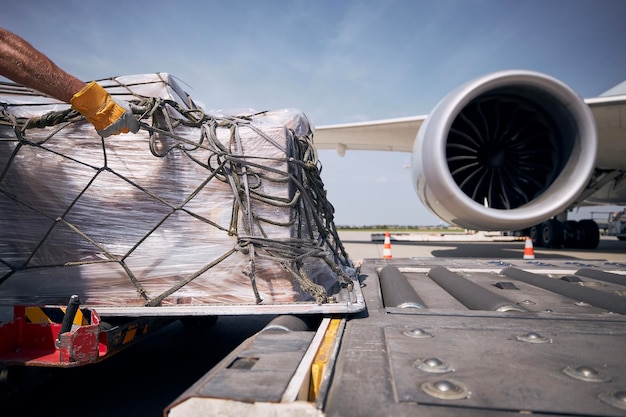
[22, 63]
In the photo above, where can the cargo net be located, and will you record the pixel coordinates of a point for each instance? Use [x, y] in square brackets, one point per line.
[195, 208]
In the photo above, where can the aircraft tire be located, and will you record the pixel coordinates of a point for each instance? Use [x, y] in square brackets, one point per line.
[572, 234]
[535, 235]
[552, 234]
[589, 234]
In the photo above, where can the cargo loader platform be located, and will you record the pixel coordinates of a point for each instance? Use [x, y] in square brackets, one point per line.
[58, 336]
[440, 337]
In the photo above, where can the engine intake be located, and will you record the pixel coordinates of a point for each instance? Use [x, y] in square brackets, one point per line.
[505, 151]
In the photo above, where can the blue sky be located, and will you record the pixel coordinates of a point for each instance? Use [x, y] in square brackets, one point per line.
[337, 61]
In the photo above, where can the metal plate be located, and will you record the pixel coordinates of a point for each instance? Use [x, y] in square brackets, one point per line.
[503, 364]
[346, 302]
[448, 360]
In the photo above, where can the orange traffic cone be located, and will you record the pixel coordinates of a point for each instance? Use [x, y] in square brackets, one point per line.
[387, 246]
[529, 251]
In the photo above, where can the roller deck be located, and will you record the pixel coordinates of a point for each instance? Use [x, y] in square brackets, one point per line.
[462, 337]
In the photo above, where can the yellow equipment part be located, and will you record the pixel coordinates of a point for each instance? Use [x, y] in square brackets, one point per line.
[321, 358]
[44, 315]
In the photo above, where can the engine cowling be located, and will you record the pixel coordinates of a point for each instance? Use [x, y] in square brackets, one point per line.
[505, 151]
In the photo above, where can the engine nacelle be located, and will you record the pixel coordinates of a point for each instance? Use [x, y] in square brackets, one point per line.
[505, 151]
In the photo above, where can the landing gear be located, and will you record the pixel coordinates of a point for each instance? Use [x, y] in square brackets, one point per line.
[589, 235]
[534, 233]
[583, 234]
[552, 234]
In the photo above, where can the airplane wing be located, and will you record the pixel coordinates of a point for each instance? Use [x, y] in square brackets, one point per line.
[395, 135]
[508, 151]
[609, 113]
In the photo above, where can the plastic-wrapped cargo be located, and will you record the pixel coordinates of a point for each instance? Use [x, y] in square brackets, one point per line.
[194, 209]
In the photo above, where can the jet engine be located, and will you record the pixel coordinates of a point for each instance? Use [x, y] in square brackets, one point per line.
[506, 151]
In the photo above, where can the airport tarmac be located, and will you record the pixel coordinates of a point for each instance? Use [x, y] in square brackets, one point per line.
[359, 246]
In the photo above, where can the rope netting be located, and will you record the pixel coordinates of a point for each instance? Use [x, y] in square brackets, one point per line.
[194, 208]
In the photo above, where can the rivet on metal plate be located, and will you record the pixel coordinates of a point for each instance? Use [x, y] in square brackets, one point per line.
[586, 373]
[446, 390]
[418, 334]
[616, 399]
[433, 365]
[533, 337]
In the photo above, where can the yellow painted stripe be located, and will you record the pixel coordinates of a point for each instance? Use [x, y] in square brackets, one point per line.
[79, 318]
[321, 358]
[40, 316]
[37, 315]
[130, 334]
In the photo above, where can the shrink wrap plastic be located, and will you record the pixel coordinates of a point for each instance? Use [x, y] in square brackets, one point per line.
[129, 219]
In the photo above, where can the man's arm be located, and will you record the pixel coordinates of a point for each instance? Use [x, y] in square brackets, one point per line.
[22, 63]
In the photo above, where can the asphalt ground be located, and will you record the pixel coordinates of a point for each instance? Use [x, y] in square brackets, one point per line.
[359, 246]
[144, 379]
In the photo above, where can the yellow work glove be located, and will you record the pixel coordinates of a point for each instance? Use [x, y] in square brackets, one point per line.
[107, 115]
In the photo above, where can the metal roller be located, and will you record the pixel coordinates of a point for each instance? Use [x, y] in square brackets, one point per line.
[472, 296]
[610, 302]
[397, 292]
[602, 276]
[291, 323]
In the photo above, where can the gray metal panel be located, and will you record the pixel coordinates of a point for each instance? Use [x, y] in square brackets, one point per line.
[384, 362]
[258, 371]
[500, 371]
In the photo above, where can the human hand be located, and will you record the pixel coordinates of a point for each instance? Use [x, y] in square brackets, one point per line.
[107, 115]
